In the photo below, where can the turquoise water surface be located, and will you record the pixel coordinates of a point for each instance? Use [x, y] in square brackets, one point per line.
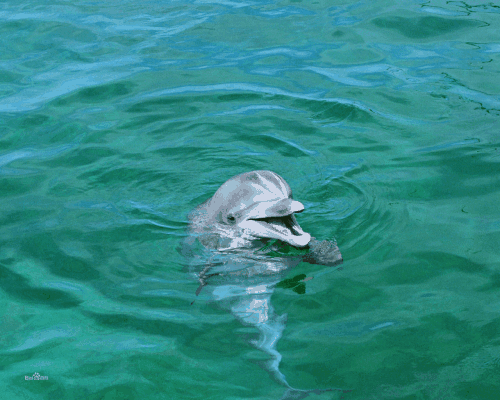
[117, 118]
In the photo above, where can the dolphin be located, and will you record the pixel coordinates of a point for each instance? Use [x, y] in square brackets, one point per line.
[241, 243]
[249, 206]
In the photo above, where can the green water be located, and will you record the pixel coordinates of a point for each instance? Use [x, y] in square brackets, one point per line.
[118, 118]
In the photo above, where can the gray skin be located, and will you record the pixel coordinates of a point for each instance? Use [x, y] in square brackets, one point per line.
[224, 248]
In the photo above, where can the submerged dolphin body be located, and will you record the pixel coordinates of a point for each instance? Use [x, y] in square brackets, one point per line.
[235, 247]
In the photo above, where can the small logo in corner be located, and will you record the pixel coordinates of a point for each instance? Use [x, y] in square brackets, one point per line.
[36, 377]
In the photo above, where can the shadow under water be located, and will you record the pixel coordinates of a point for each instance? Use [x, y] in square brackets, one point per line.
[242, 281]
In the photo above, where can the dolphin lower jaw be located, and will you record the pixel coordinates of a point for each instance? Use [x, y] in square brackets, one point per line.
[285, 229]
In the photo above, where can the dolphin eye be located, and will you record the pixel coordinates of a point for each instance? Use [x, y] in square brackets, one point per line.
[231, 219]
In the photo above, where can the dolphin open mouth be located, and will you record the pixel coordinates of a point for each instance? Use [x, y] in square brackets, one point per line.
[282, 224]
[284, 228]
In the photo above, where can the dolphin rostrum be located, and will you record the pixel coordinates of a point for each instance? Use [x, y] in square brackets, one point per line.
[236, 248]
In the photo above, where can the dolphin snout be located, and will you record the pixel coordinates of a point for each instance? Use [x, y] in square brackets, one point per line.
[285, 207]
[274, 208]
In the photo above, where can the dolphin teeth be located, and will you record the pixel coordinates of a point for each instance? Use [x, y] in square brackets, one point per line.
[281, 223]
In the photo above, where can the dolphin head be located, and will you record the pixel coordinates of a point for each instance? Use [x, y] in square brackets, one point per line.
[256, 205]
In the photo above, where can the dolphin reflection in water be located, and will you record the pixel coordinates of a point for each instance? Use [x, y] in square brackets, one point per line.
[241, 243]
